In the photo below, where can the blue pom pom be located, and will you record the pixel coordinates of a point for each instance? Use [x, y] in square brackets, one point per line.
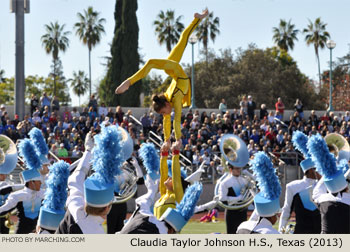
[325, 161]
[150, 158]
[266, 177]
[30, 156]
[343, 166]
[108, 157]
[39, 141]
[56, 192]
[189, 201]
[299, 141]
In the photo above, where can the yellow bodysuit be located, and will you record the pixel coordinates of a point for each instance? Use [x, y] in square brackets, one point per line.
[168, 198]
[178, 93]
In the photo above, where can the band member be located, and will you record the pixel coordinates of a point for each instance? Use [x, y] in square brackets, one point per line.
[178, 94]
[266, 201]
[28, 200]
[299, 192]
[90, 200]
[172, 221]
[117, 214]
[332, 192]
[8, 160]
[52, 211]
[236, 154]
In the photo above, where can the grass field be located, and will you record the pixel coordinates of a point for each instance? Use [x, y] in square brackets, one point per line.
[196, 227]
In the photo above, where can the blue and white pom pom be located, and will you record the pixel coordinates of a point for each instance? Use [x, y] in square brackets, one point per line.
[188, 203]
[151, 161]
[266, 177]
[299, 141]
[29, 154]
[325, 161]
[343, 165]
[39, 141]
[56, 192]
[108, 157]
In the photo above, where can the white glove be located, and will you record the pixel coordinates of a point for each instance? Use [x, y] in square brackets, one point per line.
[89, 142]
[235, 200]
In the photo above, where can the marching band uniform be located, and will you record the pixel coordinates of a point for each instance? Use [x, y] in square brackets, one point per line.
[76, 220]
[298, 198]
[8, 161]
[143, 221]
[26, 201]
[266, 201]
[335, 210]
[298, 195]
[97, 190]
[331, 192]
[229, 193]
[3, 197]
[260, 226]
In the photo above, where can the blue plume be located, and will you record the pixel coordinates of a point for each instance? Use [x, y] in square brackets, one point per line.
[30, 156]
[108, 157]
[324, 160]
[150, 158]
[56, 192]
[170, 173]
[39, 141]
[343, 165]
[299, 141]
[189, 201]
[266, 177]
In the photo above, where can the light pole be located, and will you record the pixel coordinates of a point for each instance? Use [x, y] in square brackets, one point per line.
[193, 39]
[331, 45]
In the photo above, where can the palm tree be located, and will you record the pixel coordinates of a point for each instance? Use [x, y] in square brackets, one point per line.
[317, 35]
[168, 28]
[208, 28]
[89, 29]
[54, 41]
[79, 83]
[284, 35]
[2, 75]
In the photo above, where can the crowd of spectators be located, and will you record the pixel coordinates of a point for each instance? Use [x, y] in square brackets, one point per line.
[65, 130]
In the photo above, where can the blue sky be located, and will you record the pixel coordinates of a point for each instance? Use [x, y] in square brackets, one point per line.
[241, 22]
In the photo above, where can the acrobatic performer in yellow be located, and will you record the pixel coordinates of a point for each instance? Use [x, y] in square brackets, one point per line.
[178, 93]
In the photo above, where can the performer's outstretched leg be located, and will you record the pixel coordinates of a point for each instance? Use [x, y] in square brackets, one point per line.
[177, 52]
[174, 57]
[172, 68]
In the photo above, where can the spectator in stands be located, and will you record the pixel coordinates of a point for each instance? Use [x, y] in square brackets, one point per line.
[119, 114]
[93, 103]
[75, 113]
[223, 106]
[102, 110]
[55, 104]
[251, 107]
[146, 123]
[45, 101]
[76, 153]
[244, 105]
[279, 106]
[62, 152]
[36, 117]
[15, 121]
[34, 103]
[189, 115]
[263, 111]
[92, 113]
[299, 107]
